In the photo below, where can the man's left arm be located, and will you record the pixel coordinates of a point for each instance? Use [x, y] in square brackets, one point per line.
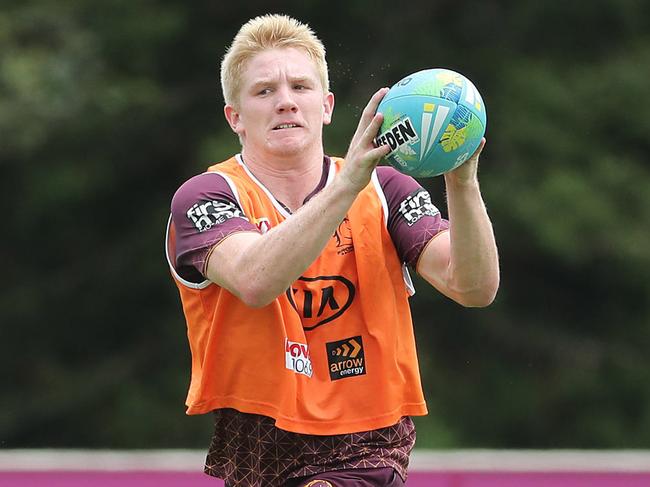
[463, 263]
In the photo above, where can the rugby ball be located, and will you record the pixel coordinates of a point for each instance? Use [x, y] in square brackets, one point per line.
[433, 122]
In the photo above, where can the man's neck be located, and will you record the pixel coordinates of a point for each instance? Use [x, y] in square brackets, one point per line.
[290, 179]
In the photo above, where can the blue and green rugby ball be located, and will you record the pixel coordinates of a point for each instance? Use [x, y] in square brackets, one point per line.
[433, 121]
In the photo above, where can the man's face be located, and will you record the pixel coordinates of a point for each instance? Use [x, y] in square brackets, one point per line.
[282, 106]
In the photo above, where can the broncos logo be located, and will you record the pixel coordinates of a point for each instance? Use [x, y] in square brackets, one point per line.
[343, 237]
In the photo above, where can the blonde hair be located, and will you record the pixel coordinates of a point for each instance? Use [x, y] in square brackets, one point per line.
[268, 32]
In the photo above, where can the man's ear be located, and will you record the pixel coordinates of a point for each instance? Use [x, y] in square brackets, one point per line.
[233, 118]
[328, 108]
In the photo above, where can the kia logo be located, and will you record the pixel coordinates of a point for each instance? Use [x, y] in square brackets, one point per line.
[319, 300]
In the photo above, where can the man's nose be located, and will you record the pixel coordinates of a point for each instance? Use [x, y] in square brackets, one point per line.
[285, 100]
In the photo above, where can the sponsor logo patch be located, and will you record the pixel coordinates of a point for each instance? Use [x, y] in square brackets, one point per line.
[297, 357]
[205, 214]
[319, 300]
[346, 358]
[416, 205]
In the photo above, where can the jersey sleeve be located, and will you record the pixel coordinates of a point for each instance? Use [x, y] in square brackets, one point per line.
[413, 219]
[204, 211]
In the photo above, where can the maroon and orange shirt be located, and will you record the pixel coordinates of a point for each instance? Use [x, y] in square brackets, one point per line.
[343, 330]
[334, 355]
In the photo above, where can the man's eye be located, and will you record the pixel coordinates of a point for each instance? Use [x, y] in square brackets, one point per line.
[264, 91]
[299, 87]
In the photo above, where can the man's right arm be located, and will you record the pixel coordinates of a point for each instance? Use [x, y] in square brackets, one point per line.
[258, 268]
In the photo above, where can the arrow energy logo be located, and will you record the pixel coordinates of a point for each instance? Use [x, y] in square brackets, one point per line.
[346, 358]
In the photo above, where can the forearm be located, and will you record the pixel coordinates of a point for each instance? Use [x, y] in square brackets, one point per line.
[259, 268]
[473, 270]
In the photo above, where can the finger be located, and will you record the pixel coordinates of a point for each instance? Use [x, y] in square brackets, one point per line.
[372, 157]
[367, 137]
[375, 99]
[370, 133]
[379, 152]
[370, 110]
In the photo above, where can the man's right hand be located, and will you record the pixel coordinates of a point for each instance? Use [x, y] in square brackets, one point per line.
[363, 156]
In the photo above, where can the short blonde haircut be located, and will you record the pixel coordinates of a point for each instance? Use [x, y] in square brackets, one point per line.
[268, 32]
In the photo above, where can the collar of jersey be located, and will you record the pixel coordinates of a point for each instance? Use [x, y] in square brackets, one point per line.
[282, 209]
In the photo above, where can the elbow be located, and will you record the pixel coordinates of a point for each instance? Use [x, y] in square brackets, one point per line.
[258, 289]
[255, 299]
[255, 295]
[252, 302]
[476, 300]
[479, 297]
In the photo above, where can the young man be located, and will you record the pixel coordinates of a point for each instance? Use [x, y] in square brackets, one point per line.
[291, 266]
